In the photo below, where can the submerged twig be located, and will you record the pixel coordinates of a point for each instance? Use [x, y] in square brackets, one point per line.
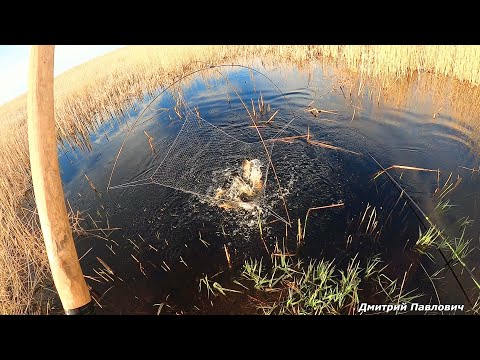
[150, 142]
[315, 111]
[261, 234]
[328, 146]
[288, 138]
[403, 167]
[437, 113]
[91, 185]
[108, 268]
[92, 278]
[227, 255]
[85, 254]
[340, 204]
[470, 169]
[271, 117]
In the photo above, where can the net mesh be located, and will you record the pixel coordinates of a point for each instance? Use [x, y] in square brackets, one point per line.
[226, 161]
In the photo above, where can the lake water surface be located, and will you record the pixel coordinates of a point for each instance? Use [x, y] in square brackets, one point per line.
[158, 253]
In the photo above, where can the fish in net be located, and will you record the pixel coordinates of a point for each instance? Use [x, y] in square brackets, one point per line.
[226, 161]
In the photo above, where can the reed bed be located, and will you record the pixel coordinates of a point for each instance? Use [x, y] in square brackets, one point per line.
[96, 91]
[396, 61]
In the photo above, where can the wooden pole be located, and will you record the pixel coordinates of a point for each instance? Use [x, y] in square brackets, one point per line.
[62, 255]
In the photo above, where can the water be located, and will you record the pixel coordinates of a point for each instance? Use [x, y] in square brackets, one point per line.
[158, 252]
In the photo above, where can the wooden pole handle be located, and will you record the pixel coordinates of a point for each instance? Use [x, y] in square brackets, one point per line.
[62, 255]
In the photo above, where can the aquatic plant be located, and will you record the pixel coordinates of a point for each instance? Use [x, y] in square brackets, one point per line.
[319, 287]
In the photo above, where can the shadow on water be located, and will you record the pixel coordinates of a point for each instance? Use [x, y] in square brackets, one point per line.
[166, 240]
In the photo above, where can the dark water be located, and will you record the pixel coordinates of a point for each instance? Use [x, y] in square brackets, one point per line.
[158, 252]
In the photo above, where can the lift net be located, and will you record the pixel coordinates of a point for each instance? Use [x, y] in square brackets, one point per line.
[226, 161]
